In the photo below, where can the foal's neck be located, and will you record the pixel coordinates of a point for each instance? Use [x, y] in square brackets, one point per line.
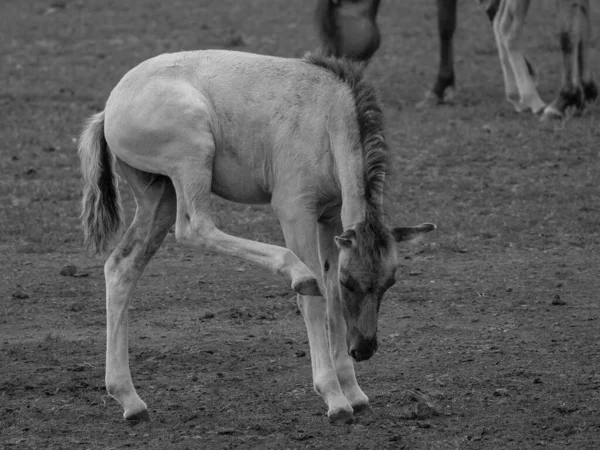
[355, 206]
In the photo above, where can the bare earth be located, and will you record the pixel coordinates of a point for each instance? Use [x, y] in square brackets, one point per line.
[218, 350]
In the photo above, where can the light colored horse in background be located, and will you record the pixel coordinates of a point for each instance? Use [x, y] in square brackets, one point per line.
[305, 135]
[349, 28]
[578, 86]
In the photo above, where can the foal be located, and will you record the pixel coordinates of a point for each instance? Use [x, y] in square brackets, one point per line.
[306, 136]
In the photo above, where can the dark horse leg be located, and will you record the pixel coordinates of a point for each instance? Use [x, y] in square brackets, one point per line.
[349, 28]
[446, 15]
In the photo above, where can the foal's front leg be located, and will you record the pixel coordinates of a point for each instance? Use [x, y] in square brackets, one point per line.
[195, 226]
[343, 363]
[301, 236]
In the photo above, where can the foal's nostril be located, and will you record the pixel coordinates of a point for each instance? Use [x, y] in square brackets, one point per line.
[363, 350]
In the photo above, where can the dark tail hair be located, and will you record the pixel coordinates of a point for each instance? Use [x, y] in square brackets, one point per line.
[101, 203]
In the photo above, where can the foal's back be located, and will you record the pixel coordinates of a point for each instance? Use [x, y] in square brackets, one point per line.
[261, 112]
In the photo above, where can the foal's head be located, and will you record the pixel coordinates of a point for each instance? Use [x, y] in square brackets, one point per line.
[367, 269]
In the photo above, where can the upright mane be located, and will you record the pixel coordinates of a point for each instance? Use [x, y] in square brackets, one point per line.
[369, 118]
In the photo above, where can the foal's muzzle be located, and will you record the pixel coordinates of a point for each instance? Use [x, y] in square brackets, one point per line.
[361, 349]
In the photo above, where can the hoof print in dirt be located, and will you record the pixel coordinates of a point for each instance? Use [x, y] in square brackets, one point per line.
[416, 405]
[501, 392]
[300, 436]
[19, 294]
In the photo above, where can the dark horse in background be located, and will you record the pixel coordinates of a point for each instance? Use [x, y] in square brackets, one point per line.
[349, 28]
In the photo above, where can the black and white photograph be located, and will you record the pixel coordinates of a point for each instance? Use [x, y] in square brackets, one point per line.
[307, 224]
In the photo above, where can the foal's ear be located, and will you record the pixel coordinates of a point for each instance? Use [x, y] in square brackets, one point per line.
[410, 233]
[344, 240]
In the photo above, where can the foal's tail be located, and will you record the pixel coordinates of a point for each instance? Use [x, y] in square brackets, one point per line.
[101, 204]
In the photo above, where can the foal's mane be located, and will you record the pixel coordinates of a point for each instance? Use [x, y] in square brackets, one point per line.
[369, 118]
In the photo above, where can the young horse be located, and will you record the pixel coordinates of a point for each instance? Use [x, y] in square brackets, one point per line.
[305, 135]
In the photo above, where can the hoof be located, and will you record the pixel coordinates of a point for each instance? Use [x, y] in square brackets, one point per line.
[341, 416]
[429, 101]
[307, 287]
[362, 409]
[539, 110]
[140, 416]
[551, 113]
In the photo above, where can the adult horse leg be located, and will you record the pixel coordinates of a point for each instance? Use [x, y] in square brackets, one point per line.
[446, 15]
[300, 232]
[336, 325]
[510, 84]
[518, 80]
[590, 88]
[574, 35]
[154, 217]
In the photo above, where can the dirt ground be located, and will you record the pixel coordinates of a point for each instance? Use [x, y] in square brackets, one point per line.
[218, 349]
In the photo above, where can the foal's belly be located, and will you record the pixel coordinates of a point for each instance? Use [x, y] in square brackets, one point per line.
[238, 184]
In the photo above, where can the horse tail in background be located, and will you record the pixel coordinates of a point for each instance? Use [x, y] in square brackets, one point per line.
[101, 203]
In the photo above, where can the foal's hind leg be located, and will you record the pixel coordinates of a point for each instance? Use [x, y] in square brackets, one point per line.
[154, 216]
